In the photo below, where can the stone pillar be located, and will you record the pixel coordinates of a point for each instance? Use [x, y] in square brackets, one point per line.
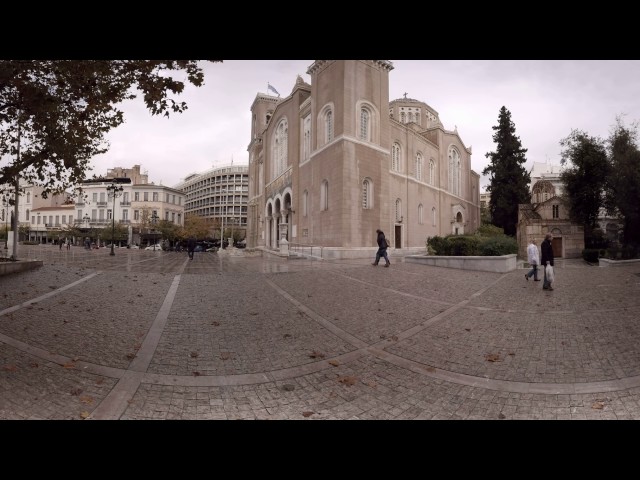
[284, 244]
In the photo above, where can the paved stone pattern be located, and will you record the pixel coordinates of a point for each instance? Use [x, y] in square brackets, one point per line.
[212, 330]
[407, 342]
[34, 389]
[83, 323]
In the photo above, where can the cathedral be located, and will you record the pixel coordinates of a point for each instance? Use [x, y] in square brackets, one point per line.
[335, 160]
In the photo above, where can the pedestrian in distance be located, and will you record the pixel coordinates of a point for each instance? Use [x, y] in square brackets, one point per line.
[191, 246]
[534, 261]
[382, 249]
[547, 259]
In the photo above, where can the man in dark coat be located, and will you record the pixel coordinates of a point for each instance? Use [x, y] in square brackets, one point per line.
[191, 246]
[382, 249]
[547, 258]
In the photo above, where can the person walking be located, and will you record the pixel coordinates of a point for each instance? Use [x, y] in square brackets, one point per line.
[382, 249]
[191, 246]
[534, 261]
[547, 259]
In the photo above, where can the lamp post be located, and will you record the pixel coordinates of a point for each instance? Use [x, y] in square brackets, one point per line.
[114, 191]
[154, 220]
[5, 214]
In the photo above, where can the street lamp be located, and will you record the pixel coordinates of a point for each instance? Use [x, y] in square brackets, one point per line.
[114, 191]
[5, 214]
[154, 220]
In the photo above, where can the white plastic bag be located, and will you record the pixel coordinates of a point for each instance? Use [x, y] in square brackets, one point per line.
[550, 275]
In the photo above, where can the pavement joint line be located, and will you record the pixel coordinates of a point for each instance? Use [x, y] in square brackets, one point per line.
[48, 294]
[339, 332]
[117, 401]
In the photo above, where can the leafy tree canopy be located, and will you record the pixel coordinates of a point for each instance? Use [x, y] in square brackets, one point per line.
[54, 114]
[584, 177]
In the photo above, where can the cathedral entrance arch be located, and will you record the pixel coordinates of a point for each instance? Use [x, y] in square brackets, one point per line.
[556, 243]
[457, 224]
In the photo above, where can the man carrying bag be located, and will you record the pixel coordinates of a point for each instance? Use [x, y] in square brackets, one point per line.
[547, 261]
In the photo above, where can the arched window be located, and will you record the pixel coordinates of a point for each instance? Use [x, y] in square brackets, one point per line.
[433, 216]
[28, 197]
[420, 214]
[328, 128]
[305, 203]
[367, 193]
[395, 157]
[398, 210]
[419, 166]
[27, 215]
[418, 118]
[324, 195]
[364, 124]
[402, 117]
[306, 145]
[454, 171]
[280, 147]
[432, 177]
[410, 117]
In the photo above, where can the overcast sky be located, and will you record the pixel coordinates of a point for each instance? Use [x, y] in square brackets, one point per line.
[547, 99]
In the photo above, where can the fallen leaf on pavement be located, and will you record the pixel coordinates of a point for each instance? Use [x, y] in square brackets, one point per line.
[598, 405]
[307, 414]
[84, 414]
[315, 354]
[348, 380]
[335, 363]
[69, 365]
[492, 357]
[86, 399]
[76, 391]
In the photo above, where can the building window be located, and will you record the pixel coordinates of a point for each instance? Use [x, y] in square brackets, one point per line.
[64, 219]
[166, 216]
[280, 146]
[102, 197]
[95, 198]
[94, 214]
[28, 197]
[328, 126]
[146, 196]
[324, 195]
[403, 117]
[367, 193]
[33, 219]
[395, 157]
[155, 196]
[433, 216]
[398, 210]
[432, 169]
[418, 118]
[125, 214]
[136, 196]
[79, 214]
[454, 171]
[556, 211]
[109, 214]
[136, 215]
[305, 203]
[306, 143]
[173, 217]
[419, 166]
[364, 124]
[420, 214]
[27, 219]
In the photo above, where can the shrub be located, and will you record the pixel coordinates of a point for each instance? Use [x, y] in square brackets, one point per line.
[438, 244]
[29, 242]
[489, 230]
[496, 246]
[591, 254]
[462, 245]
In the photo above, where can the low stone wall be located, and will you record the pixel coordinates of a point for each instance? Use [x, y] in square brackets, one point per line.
[18, 266]
[501, 264]
[605, 262]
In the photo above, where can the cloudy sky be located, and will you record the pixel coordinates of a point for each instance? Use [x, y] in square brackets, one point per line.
[547, 99]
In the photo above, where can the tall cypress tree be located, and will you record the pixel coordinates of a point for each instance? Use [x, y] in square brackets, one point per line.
[509, 179]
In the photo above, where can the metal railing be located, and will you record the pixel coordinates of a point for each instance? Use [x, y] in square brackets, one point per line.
[306, 250]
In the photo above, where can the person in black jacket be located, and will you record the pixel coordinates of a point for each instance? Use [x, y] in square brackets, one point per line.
[547, 259]
[191, 246]
[382, 249]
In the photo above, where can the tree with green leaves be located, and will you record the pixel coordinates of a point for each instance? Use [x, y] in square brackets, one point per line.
[584, 178]
[195, 226]
[54, 114]
[623, 186]
[509, 179]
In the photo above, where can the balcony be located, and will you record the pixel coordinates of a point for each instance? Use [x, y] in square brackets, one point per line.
[125, 203]
[101, 204]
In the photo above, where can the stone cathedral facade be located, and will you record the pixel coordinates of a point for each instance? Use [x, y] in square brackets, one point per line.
[335, 160]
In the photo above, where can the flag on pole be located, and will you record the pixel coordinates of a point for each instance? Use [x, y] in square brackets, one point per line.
[269, 87]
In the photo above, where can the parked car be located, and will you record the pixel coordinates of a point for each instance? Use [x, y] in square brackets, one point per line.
[158, 247]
